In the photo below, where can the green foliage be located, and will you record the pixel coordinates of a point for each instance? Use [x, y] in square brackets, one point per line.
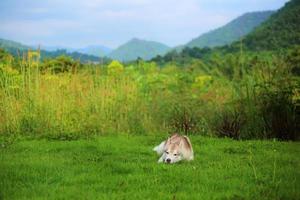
[115, 68]
[60, 64]
[282, 30]
[202, 82]
[185, 57]
[277, 105]
[293, 60]
[5, 57]
[242, 96]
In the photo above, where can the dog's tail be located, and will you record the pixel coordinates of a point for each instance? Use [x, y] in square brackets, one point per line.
[160, 148]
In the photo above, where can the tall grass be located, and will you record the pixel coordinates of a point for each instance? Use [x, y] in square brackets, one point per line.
[70, 105]
[221, 97]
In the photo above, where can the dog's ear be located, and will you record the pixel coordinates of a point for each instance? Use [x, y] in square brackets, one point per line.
[185, 142]
[181, 144]
[168, 141]
[187, 149]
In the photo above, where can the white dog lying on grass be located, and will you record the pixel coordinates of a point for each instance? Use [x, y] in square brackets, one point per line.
[174, 149]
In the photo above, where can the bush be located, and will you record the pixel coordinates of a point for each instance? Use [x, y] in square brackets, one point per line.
[60, 64]
[115, 68]
[279, 113]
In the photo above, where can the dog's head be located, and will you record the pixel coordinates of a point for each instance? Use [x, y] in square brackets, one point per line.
[172, 153]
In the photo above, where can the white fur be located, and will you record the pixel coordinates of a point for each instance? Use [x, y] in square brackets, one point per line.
[175, 149]
[160, 148]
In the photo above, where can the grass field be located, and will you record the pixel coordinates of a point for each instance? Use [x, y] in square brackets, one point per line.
[124, 167]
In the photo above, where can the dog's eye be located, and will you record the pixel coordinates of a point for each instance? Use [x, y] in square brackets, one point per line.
[175, 154]
[167, 152]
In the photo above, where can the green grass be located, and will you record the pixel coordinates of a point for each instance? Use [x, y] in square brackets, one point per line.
[124, 167]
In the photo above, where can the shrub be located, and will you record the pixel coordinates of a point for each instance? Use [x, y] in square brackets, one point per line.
[115, 68]
[60, 64]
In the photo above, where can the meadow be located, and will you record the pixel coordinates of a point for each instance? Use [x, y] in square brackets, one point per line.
[70, 130]
[125, 167]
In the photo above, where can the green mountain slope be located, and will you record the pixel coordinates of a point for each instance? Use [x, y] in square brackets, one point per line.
[136, 48]
[12, 46]
[232, 31]
[278, 33]
[282, 30]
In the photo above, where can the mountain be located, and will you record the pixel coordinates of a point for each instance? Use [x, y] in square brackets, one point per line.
[279, 33]
[95, 50]
[54, 48]
[17, 49]
[232, 31]
[282, 30]
[12, 46]
[136, 48]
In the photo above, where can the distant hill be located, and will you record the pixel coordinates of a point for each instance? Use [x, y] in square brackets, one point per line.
[232, 31]
[53, 48]
[282, 30]
[136, 48]
[95, 50]
[12, 46]
[17, 49]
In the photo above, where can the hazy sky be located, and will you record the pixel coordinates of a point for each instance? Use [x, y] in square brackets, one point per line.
[78, 23]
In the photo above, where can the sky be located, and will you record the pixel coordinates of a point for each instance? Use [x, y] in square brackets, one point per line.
[79, 23]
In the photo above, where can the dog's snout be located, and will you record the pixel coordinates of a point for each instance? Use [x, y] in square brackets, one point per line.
[168, 160]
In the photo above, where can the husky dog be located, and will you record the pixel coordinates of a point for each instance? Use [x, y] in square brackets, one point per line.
[174, 149]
